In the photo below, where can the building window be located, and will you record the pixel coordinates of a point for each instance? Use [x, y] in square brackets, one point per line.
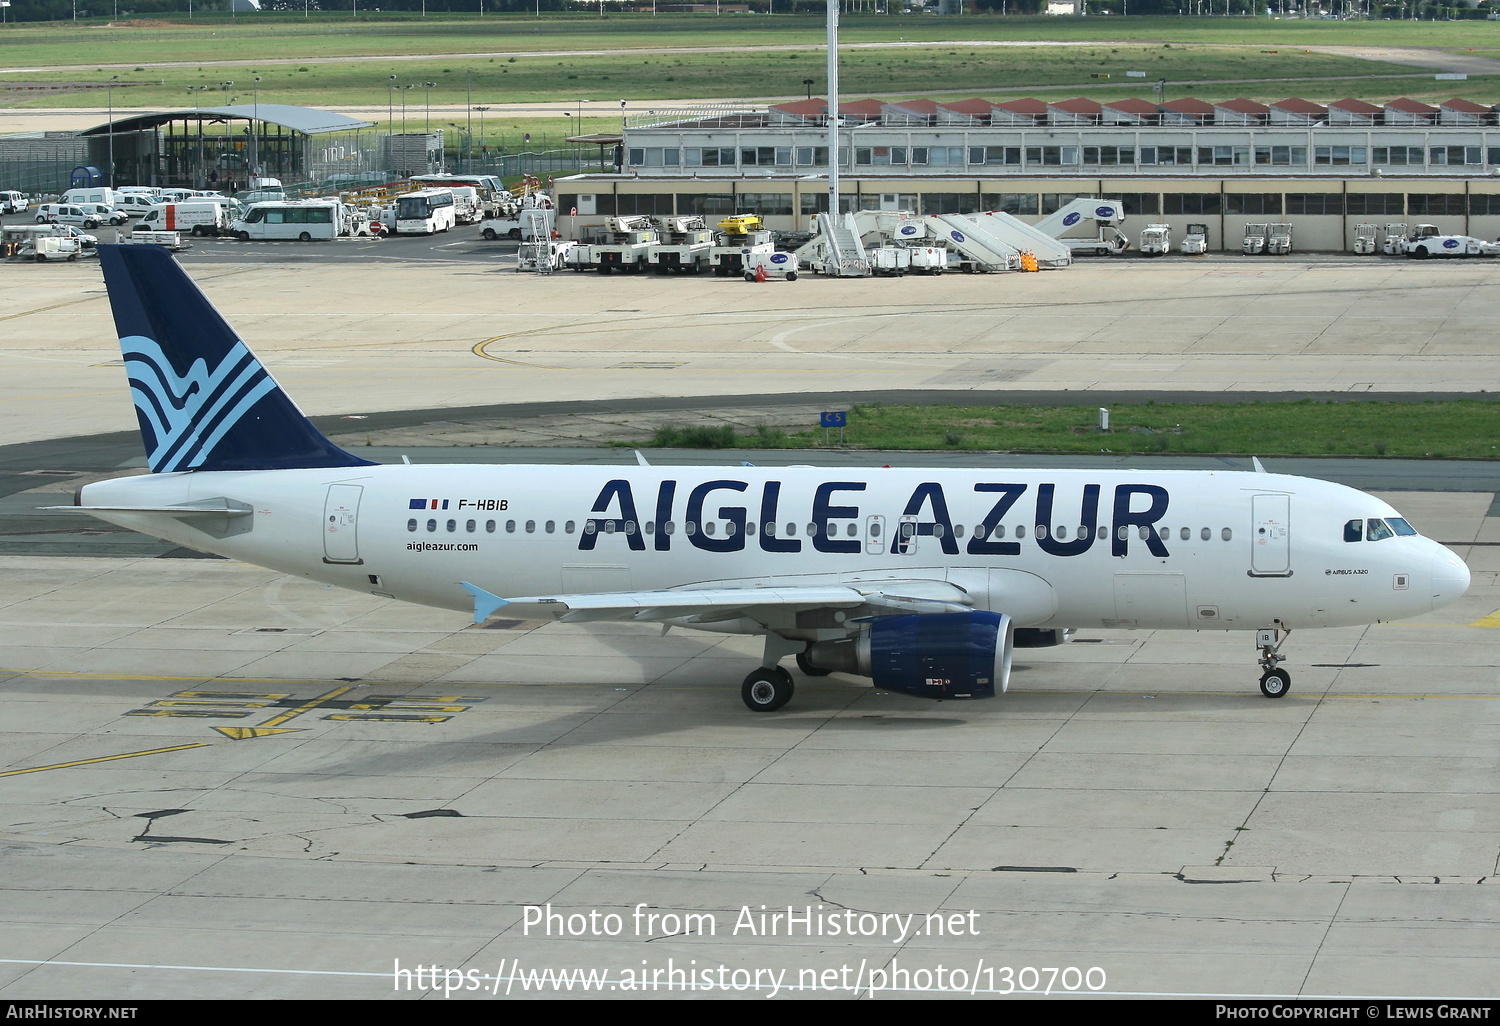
[1138, 202]
[1481, 205]
[1051, 156]
[1011, 202]
[1109, 156]
[1397, 156]
[765, 203]
[1435, 204]
[1281, 156]
[1375, 203]
[1252, 203]
[1315, 203]
[1450, 155]
[1191, 203]
[1225, 156]
[706, 204]
[1338, 156]
[950, 202]
[995, 155]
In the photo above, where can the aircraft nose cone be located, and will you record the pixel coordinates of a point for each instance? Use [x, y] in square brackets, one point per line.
[1450, 578]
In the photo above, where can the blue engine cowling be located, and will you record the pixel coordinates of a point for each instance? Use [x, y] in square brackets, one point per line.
[928, 655]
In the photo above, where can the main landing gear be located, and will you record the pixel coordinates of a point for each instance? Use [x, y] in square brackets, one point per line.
[770, 687]
[767, 689]
[1274, 681]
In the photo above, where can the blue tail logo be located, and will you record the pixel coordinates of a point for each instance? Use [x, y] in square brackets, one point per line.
[203, 400]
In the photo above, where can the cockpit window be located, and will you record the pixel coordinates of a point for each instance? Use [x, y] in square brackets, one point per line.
[1354, 531]
[1400, 526]
[1378, 530]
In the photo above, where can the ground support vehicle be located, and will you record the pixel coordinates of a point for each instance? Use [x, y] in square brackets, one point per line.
[12, 202]
[1105, 215]
[624, 243]
[170, 240]
[20, 242]
[1255, 239]
[764, 266]
[1426, 240]
[1195, 242]
[1156, 240]
[737, 239]
[496, 227]
[580, 257]
[1278, 239]
[683, 246]
[1365, 236]
[544, 256]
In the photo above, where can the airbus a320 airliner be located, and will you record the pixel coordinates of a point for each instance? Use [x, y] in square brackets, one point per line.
[922, 580]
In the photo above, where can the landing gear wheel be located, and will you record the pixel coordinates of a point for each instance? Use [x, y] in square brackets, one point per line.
[806, 666]
[767, 690]
[1275, 683]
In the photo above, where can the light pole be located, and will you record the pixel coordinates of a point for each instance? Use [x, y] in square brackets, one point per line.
[427, 93]
[481, 125]
[110, 88]
[255, 129]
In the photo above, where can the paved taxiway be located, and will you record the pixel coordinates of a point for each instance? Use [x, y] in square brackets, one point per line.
[402, 786]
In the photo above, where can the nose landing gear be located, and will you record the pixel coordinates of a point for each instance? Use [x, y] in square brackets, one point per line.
[1274, 681]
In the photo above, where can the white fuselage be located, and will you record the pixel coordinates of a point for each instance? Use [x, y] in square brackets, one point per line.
[1066, 548]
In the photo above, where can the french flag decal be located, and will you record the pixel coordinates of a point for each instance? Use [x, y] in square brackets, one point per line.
[427, 504]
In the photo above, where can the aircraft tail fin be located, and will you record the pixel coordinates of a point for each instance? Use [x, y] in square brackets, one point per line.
[203, 400]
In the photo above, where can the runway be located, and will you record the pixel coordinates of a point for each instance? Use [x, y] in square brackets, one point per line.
[220, 782]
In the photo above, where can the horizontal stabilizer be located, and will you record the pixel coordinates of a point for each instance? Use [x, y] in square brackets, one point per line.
[485, 603]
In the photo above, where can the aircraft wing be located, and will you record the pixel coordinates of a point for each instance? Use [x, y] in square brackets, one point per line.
[710, 604]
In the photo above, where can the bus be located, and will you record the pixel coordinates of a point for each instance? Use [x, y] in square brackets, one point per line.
[291, 219]
[492, 192]
[424, 212]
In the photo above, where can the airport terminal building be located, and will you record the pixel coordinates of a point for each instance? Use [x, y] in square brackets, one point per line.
[1323, 168]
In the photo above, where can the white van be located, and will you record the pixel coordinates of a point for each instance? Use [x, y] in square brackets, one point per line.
[97, 194]
[106, 214]
[201, 217]
[136, 203]
[67, 213]
[12, 202]
[291, 219]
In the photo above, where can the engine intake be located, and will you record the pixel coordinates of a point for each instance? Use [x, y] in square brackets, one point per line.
[931, 655]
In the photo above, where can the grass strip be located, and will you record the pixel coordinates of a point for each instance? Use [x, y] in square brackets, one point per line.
[1468, 429]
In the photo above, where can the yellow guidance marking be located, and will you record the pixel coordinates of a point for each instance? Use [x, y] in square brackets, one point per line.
[102, 758]
[1493, 620]
[246, 733]
[266, 728]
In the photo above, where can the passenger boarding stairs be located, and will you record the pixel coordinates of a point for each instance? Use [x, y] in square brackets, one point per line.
[843, 254]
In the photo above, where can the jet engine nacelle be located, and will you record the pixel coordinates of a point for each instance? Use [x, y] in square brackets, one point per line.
[928, 655]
